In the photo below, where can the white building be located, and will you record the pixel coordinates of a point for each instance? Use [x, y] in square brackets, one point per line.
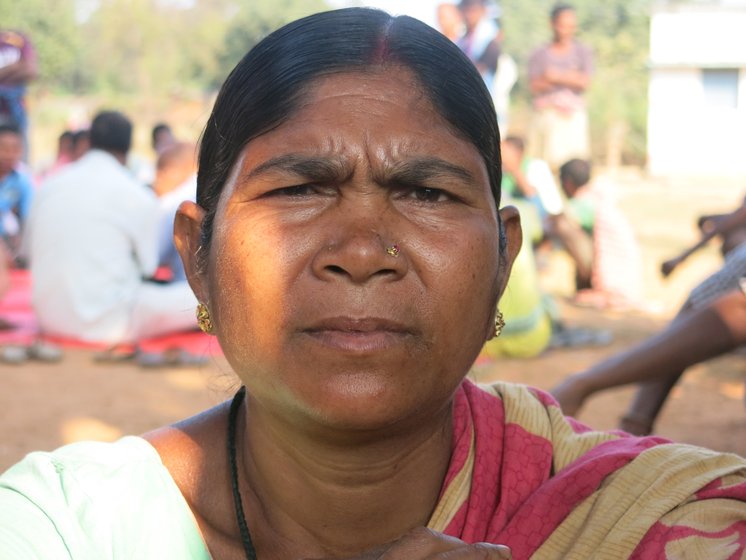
[697, 95]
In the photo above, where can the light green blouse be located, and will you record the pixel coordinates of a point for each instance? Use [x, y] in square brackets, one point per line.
[101, 501]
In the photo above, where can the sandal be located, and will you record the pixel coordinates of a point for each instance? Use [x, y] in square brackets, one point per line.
[116, 354]
[15, 355]
[39, 351]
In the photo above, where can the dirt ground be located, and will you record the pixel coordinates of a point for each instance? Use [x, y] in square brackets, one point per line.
[44, 406]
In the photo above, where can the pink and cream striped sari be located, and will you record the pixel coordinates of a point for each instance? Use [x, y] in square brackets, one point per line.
[523, 475]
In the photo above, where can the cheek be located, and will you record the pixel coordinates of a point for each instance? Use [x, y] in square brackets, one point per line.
[251, 270]
[465, 267]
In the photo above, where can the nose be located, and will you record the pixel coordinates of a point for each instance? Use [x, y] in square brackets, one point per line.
[360, 251]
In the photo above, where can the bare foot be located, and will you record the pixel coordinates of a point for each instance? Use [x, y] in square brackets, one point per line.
[636, 425]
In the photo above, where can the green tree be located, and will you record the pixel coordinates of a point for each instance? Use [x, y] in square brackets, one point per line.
[255, 20]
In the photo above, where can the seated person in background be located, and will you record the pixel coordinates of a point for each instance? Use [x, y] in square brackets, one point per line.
[65, 144]
[16, 188]
[529, 314]
[93, 244]
[349, 250]
[731, 228]
[532, 179]
[529, 178]
[162, 138]
[711, 322]
[698, 333]
[175, 182]
[81, 143]
[5, 262]
[616, 269]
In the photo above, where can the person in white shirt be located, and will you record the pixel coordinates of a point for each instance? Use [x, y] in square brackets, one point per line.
[175, 182]
[93, 245]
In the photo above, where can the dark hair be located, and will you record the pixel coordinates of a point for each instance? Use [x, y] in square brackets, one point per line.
[111, 131]
[10, 129]
[558, 9]
[516, 141]
[264, 89]
[577, 171]
[157, 129]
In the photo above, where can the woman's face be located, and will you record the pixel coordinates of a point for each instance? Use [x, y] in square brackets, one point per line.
[316, 317]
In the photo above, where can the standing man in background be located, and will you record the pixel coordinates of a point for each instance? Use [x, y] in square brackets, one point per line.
[559, 74]
[17, 69]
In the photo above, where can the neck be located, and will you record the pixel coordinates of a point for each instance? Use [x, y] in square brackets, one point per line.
[306, 495]
[121, 157]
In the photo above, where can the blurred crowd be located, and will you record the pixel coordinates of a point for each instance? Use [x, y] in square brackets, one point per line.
[94, 226]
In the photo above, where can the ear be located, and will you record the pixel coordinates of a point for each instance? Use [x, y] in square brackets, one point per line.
[188, 241]
[511, 229]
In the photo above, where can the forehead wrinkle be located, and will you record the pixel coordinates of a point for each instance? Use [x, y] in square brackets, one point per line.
[419, 170]
[315, 167]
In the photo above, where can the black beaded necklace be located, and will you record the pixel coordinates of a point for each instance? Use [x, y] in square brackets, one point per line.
[248, 546]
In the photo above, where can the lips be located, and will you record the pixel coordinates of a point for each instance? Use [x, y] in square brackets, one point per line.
[359, 335]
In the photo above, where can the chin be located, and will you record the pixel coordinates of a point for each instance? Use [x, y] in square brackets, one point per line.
[369, 403]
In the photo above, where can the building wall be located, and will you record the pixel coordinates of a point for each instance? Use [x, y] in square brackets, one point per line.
[691, 129]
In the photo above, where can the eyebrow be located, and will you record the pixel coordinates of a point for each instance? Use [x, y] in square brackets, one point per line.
[420, 170]
[417, 170]
[319, 169]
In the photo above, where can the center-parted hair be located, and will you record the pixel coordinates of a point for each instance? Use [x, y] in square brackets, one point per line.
[263, 91]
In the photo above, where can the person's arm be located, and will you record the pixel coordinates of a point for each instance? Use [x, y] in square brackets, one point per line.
[24, 70]
[721, 226]
[573, 79]
[577, 80]
[425, 544]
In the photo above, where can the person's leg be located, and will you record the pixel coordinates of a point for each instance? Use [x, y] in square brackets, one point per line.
[161, 309]
[659, 361]
[578, 245]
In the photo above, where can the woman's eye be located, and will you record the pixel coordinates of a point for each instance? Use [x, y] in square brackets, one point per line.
[425, 194]
[296, 190]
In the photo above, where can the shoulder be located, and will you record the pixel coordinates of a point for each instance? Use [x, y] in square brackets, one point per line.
[89, 497]
[90, 468]
[188, 449]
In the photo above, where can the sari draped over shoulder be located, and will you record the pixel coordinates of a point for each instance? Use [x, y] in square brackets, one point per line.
[524, 475]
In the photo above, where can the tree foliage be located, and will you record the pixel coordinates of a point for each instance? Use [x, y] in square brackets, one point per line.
[150, 47]
[157, 48]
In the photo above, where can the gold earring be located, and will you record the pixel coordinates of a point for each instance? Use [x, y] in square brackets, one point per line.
[203, 318]
[499, 323]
